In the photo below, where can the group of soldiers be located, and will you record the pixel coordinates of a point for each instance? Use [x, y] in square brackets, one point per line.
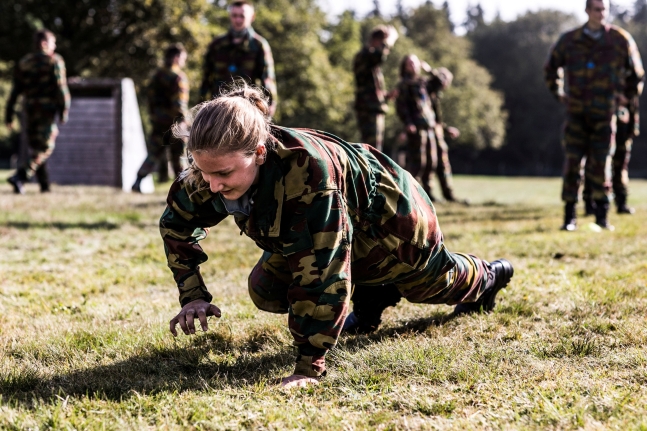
[604, 78]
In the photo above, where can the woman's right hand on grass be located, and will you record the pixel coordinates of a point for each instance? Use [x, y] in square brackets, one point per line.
[186, 317]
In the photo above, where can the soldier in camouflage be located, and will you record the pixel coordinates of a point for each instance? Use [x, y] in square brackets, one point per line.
[604, 72]
[40, 78]
[370, 93]
[627, 128]
[168, 98]
[239, 54]
[331, 217]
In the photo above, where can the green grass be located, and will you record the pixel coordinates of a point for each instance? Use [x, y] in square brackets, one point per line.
[85, 300]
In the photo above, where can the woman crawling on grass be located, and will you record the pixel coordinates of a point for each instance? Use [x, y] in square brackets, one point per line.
[334, 219]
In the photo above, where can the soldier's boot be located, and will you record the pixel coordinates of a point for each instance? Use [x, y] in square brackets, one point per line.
[589, 206]
[570, 218]
[368, 305]
[138, 184]
[621, 205]
[500, 273]
[452, 198]
[601, 212]
[18, 181]
[42, 174]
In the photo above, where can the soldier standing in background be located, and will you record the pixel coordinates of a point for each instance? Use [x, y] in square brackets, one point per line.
[440, 80]
[370, 93]
[40, 78]
[413, 105]
[628, 127]
[168, 98]
[604, 72]
[240, 53]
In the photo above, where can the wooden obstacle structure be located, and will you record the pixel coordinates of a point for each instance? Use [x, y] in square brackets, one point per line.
[103, 142]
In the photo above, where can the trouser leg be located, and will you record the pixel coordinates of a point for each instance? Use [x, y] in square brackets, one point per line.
[371, 128]
[443, 169]
[156, 150]
[421, 157]
[41, 134]
[575, 148]
[176, 150]
[620, 161]
[268, 283]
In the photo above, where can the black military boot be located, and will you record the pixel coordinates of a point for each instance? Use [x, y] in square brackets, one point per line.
[621, 204]
[499, 274]
[589, 207]
[42, 174]
[18, 181]
[601, 211]
[137, 186]
[369, 302]
[570, 218]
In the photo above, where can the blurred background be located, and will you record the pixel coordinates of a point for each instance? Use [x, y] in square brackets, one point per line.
[510, 123]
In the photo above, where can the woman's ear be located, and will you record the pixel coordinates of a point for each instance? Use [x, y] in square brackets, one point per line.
[261, 154]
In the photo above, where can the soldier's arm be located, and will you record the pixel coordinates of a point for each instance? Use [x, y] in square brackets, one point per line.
[207, 75]
[635, 70]
[402, 107]
[319, 258]
[16, 89]
[268, 77]
[553, 69]
[180, 97]
[185, 222]
[63, 92]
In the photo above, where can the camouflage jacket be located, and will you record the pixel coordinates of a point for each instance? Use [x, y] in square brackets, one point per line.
[168, 96]
[597, 71]
[413, 104]
[369, 80]
[251, 60]
[41, 79]
[340, 213]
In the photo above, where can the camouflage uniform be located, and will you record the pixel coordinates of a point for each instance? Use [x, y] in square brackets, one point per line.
[627, 127]
[168, 98]
[597, 70]
[413, 106]
[250, 60]
[329, 216]
[40, 78]
[370, 101]
[443, 168]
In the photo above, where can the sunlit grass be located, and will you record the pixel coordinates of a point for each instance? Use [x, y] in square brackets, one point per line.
[85, 299]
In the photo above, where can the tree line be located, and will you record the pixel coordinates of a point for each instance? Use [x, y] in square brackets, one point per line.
[509, 122]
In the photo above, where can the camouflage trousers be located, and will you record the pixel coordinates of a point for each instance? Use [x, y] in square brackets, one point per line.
[443, 168]
[422, 157]
[593, 139]
[460, 282]
[41, 137]
[158, 154]
[371, 128]
[619, 163]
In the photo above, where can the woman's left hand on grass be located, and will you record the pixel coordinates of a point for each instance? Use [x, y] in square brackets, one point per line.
[186, 317]
[298, 381]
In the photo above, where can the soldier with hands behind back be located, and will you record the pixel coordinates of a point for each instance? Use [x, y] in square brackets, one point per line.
[603, 72]
[40, 78]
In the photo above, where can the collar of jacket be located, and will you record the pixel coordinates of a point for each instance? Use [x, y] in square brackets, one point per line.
[268, 201]
[245, 43]
[605, 37]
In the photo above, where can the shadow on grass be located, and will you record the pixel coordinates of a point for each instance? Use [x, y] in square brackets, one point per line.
[202, 365]
[100, 225]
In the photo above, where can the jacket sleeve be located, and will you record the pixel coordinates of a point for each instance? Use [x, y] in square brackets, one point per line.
[180, 99]
[402, 105]
[553, 69]
[16, 88]
[268, 77]
[318, 253]
[635, 70]
[185, 222]
[62, 91]
[207, 73]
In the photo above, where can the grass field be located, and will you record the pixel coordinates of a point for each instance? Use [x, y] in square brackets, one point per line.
[85, 300]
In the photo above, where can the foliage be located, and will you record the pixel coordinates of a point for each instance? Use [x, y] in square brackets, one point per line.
[86, 297]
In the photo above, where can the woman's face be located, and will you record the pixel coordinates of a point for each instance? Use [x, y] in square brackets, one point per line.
[230, 174]
[412, 65]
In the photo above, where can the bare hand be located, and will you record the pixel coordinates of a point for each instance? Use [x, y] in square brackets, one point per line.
[9, 126]
[393, 94]
[392, 36]
[425, 66]
[298, 381]
[198, 308]
[411, 129]
[272, 109]
[453, 132]
[622, 100]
